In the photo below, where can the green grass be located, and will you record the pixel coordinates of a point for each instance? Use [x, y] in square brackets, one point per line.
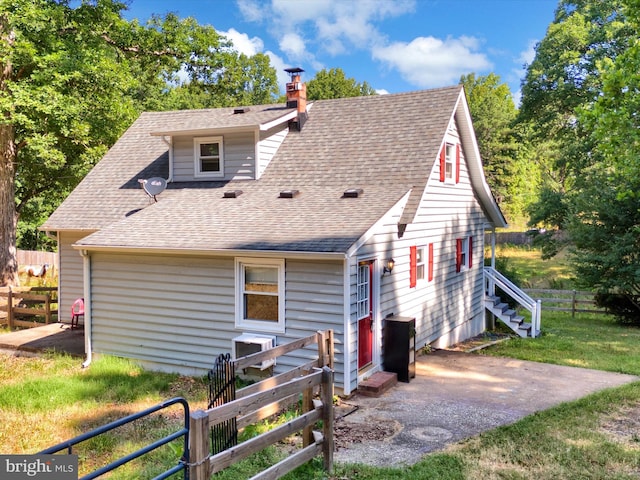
[531, 271]
[588, 341]
[50, 399]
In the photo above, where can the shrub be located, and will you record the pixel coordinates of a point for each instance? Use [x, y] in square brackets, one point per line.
[625, 307]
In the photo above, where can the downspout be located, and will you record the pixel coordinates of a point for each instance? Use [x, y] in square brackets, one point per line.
[170, 145]
[346, 295]
[86, 273]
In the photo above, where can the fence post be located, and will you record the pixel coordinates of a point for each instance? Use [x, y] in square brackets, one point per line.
[47, 309]
[330, 348]
[573, 305]
[10, 309]
[199, 446]
[327, 418]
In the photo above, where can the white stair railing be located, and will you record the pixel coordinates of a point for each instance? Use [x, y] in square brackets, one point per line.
[494, 279]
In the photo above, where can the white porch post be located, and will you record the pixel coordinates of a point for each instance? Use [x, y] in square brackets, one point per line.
[493, 247]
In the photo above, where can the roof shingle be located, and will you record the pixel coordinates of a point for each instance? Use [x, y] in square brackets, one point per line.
[383, 144]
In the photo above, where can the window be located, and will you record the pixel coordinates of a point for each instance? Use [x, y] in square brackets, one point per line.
[260, 294]
[420, 264]
[209, 158]
[464, 250]
[450, 163]
[363, 301]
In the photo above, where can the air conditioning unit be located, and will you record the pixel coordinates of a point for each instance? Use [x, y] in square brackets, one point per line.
[249, 343]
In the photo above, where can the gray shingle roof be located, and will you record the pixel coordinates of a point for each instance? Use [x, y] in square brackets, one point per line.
[383, 144]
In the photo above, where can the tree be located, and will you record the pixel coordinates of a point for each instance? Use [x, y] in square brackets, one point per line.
[72, 79]
[564, 77]
[507, 166]
[605, 221]
[334, 84]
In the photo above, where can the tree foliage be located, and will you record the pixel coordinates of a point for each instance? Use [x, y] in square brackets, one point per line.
[605, 225]
[564, 77]
[334, 84]
[506, 160]
[72, 78]
[583, 94]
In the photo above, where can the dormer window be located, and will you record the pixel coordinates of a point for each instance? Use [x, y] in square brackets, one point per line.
[209, 157]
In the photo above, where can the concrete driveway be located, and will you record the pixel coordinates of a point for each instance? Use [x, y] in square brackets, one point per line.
[55, 336]
[454, 396]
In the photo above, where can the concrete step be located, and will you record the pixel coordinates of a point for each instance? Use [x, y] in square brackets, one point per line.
[377, 384]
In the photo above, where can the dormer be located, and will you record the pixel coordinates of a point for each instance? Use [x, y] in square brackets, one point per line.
[235, 143]
[225, 144]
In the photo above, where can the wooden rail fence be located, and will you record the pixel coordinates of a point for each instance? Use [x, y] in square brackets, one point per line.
[263, 399]
[19, 302]
[573, 301]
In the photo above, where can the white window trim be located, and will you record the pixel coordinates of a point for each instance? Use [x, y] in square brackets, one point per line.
[464, 266]
[197, 170]
[424, 263]
[450, 160]
[256, 325]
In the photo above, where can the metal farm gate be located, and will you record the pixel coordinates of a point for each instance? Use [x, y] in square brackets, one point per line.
[222, 389]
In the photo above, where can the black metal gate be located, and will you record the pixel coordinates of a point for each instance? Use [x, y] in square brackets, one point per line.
[222, 389]
[183, 432]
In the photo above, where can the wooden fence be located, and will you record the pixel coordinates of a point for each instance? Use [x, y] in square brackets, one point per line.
[16, 303]
[573, 301]
[265, 398]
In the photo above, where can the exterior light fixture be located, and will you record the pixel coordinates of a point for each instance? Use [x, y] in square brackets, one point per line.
[388, 267]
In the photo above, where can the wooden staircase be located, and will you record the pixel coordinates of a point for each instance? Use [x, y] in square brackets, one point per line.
[502, 310]
[507, 315]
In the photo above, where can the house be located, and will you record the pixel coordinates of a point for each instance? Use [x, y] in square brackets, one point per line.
[277, 221]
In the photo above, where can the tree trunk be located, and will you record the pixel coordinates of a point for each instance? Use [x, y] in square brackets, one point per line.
[8, 214]
[8, 218]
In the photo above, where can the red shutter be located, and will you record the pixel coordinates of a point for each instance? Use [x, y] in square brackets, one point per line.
[430, 262]
[442, 162]
[413, 270]
[458, 254]
[457, 162]
[470, 252]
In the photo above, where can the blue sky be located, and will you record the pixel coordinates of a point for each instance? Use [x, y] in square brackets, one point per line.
[395, 45]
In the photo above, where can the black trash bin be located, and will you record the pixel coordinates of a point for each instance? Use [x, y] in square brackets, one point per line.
[399, 346]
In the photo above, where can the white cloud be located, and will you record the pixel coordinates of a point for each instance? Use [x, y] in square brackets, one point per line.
[329, 25]
[431, 62]
[251, 10]
[279, 65]
[293, 46]
[382, 91]
[242, 43]
[527, 56]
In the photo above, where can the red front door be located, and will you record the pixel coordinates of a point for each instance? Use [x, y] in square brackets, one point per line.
[365, 313]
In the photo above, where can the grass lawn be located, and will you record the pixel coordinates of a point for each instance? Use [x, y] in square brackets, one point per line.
[530, 270]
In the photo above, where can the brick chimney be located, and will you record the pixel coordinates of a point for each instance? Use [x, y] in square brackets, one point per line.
[297, 96]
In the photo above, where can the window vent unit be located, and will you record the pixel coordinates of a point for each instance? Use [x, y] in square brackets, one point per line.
[250, 343]
[353, 193]
[238, 111]
[232, 194]
[289, 193]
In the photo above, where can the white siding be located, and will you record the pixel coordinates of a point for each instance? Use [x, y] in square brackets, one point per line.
[177, 313]
[70, 274]
[450, 307]
[239, 157]
[171, 313]
[269, 143]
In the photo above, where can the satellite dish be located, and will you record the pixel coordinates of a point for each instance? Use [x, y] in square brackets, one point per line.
[154, 186]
